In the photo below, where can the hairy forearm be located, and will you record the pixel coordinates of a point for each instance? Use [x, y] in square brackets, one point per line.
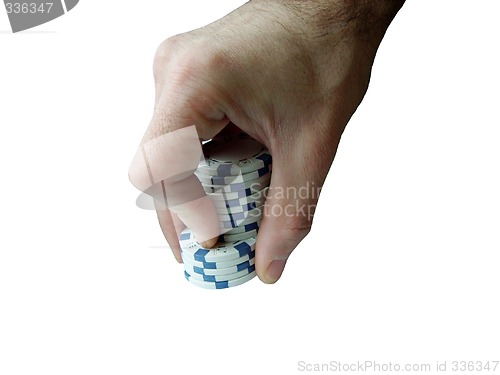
[322, 17]
[386, 9]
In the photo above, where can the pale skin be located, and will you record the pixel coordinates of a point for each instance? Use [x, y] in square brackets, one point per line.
[289, 73]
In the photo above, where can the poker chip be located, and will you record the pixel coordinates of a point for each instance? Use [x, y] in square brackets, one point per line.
[233, 156]
[222, 252]
[238, 236]
[239, 209]
[235, 174]
[226, 180]
[220, 284]
[219, 278]
[219, 271]
[241, 216]
[232, 206]
[225, 199]
[253, 186]
[236, 223]
[243, 228]
[222, 195]
[218, 265]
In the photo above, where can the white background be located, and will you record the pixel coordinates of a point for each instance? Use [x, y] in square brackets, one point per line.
[402, 264]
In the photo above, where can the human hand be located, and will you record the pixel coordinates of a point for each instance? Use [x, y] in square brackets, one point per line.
[288, 73]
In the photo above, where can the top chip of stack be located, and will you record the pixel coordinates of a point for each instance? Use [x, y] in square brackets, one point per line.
[236, 174]
[234, 156]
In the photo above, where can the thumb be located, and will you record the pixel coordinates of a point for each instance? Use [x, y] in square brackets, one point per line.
[290, 205]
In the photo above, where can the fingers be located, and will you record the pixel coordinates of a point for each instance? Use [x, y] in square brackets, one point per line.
[171, 227]
[185, 112]
[196, 210]
[163, 167]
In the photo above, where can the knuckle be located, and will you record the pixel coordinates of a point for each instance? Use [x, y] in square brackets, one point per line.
[292, 236]
[297, 233]
[167, 46]
[165, 53]
[296, 228]
[213, 60]
[190, 56]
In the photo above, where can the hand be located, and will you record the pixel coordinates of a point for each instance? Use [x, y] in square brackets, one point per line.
[288, 73]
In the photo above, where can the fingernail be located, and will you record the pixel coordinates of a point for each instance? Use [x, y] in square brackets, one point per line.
[274, 271]
[208, 244]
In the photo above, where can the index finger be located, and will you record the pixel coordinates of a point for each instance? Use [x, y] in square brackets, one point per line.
[164, 167]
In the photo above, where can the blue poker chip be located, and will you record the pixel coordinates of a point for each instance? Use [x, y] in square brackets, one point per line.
[238, 236]
[231, 224]
[241, 216]
[233, 156]
[239, 209]
[223, 252]
[222, 195]
[228, 180]
[253, 185]
[219, 278]
[245, 228]
[236, 205]
[218, 265]
[222, 199]
[219, 271]
[219, 284]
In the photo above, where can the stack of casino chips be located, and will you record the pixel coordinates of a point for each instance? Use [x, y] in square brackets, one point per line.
[235, 174]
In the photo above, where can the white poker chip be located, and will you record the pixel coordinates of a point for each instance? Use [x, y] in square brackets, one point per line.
[219, 271]
[242, 228]
[223, 252]
[218, 278]
[237, 223]
[239, 209]
[218, 265]
[238, 237]
[238, 204]
[237, 198]
[241, 216]
[232, 156]
[227, 180]
[253, 185]
[220, 284]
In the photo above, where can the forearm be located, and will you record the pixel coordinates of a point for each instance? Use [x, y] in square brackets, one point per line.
[323, 17]
[347, 9]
